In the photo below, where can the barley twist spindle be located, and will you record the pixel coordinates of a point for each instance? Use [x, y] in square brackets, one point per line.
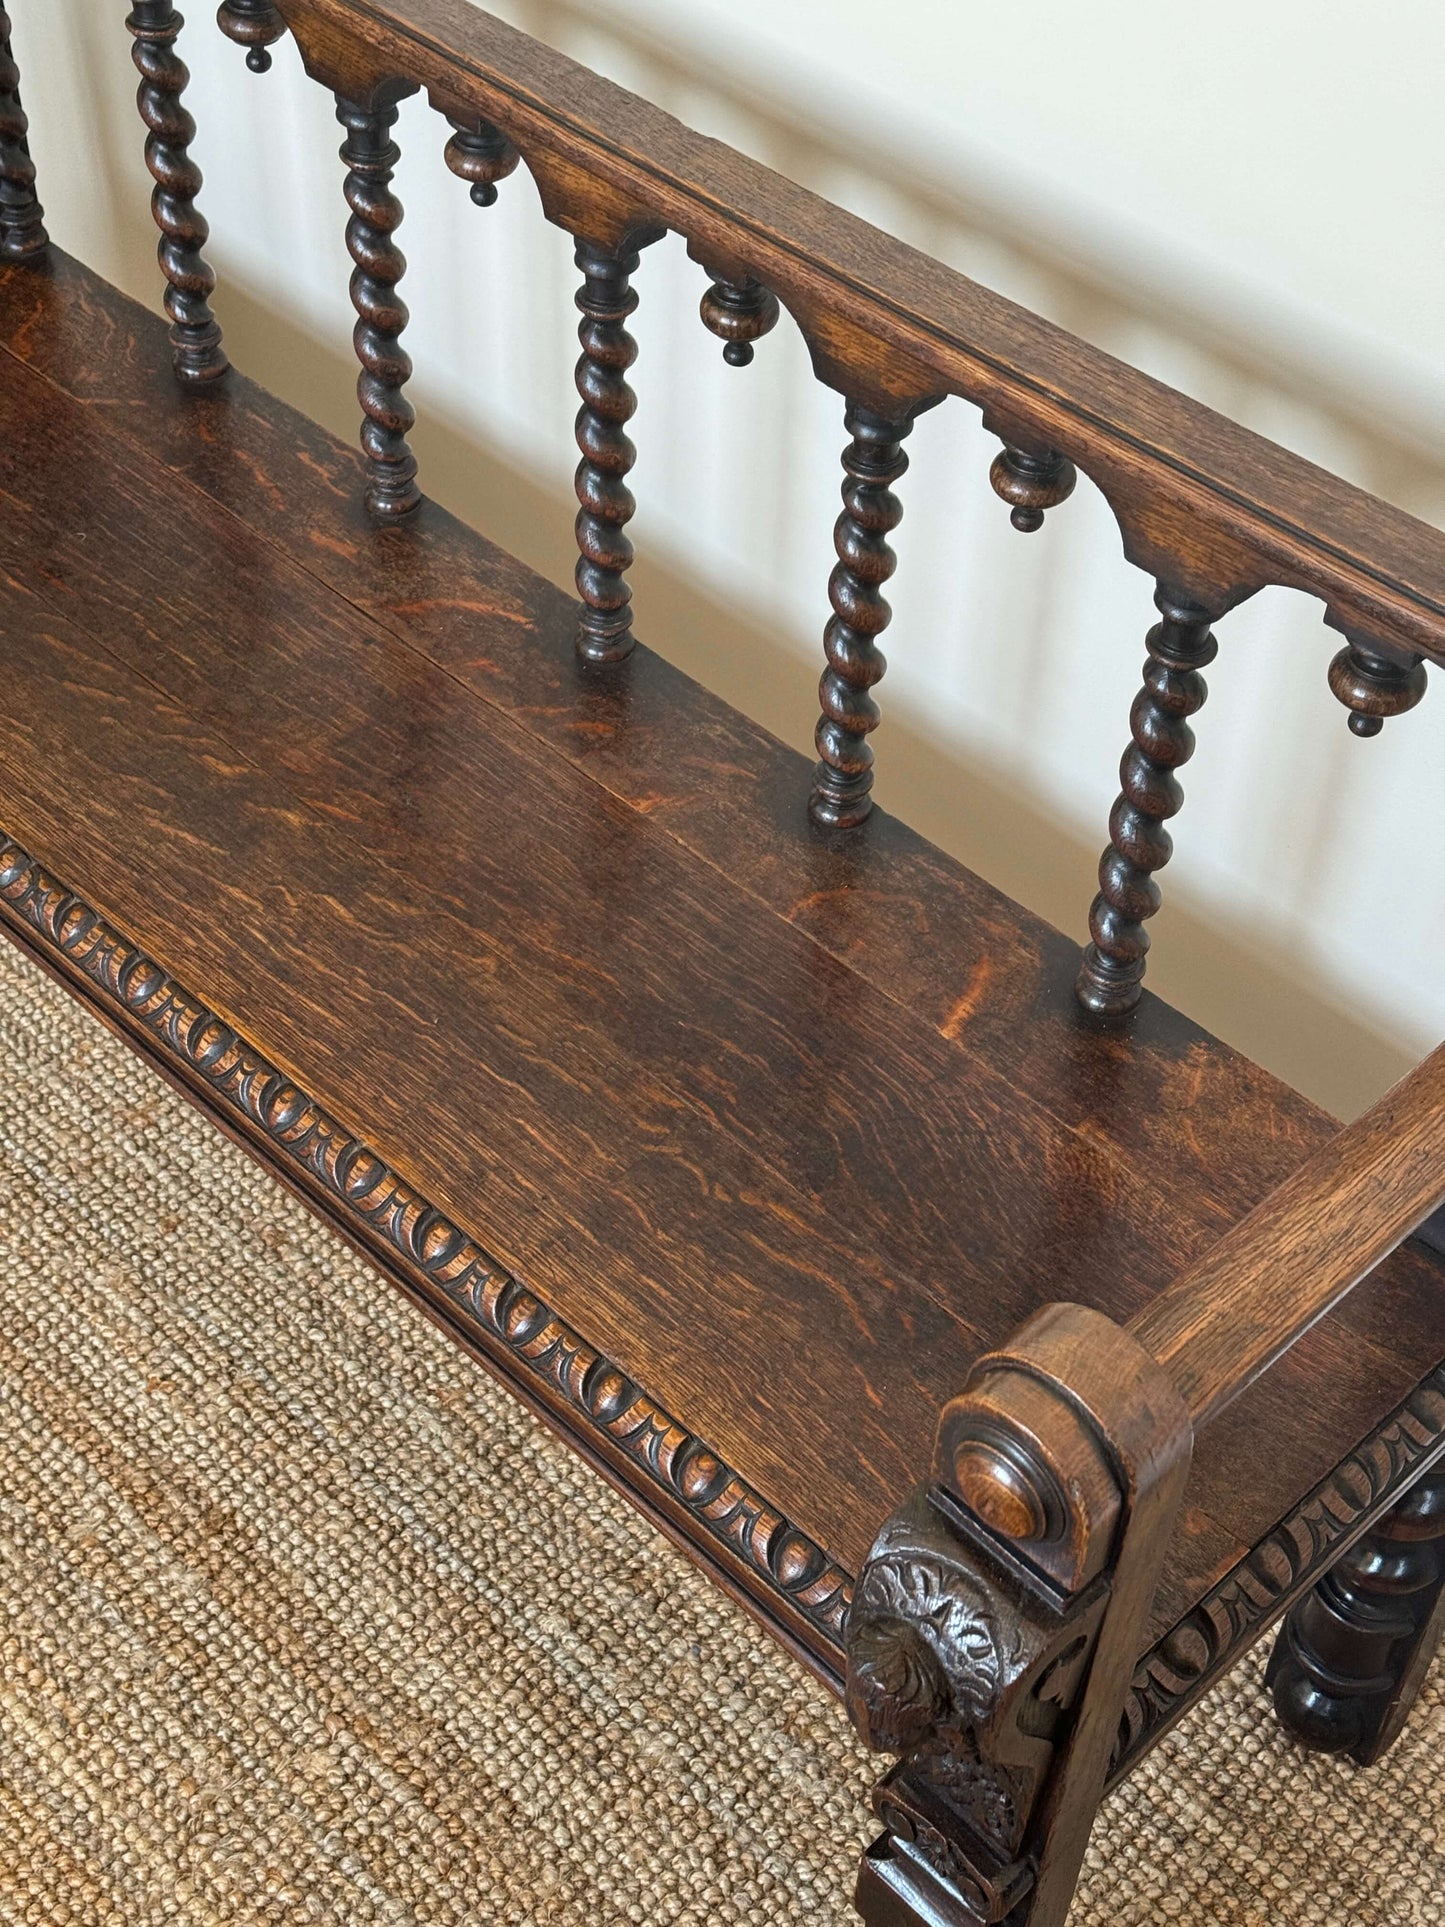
[254, 25]
[1031, 481]
[606, 298]
[195, 333]
[22, 231]
[873, 459]
[371, 155]
[1112, 971]
[1373, 686]
[481, 155]
[739, 313]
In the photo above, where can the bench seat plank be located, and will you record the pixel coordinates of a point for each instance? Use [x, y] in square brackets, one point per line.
[348, 787]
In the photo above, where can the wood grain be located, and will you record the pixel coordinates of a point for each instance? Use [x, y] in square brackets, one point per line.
[1203, 503]
[308, 736]
[1227, 1318]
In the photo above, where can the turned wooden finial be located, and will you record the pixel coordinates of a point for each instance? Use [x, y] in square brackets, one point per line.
[739, 313]
[254, 25]
[1031, 482]
[1373, 686]
[481, 155]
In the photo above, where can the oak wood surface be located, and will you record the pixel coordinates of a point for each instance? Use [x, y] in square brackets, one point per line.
[1226, 1318]
[351, 825]
[994, 980]
[1214, 508]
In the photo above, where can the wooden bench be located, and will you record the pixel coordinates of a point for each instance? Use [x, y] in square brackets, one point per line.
[1015, 1350]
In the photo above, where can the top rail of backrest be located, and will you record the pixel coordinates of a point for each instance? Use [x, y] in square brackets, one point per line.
[1204, 504]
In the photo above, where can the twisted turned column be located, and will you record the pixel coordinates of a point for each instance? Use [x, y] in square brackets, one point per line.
[1112, 971]
[22, 232]
[605, 502]
[1351, 1655]
[254, 25]
[371, 155]
[195, 333]
[874, 458]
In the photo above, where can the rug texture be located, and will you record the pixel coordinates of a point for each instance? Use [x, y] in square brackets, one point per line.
[304, 1619]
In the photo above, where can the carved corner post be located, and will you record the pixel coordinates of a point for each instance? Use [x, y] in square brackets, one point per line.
[842, 794]
[1111, 975]
[195, 333]
[254, 25]
[1352, 1655]
[22, 230]
[997, 1621]
[371, 155]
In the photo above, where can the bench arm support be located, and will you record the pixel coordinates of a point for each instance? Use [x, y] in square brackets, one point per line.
[1227, 1318]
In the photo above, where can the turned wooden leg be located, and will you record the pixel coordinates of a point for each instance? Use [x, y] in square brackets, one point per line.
[1352, 1655]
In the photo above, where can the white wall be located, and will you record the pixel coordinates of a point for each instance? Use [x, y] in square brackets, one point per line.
[1243, 199]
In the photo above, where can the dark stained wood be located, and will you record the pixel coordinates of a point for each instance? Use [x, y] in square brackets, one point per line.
[22, 227]
[1353, 1654]
[739, 313]
[981, 1647]
[872, 461]
[369, 742]
[254, 25]
[1031, 482]
[991, 979]
[480, 155]
[195, 333]
[1373, 685]
[371, 156]
[1230, 1315]
[1213, 1635]
[1111, 972]
[643, 1106]
[1202, 503]
[605, 502]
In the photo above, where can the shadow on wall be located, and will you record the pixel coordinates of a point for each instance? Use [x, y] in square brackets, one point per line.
[1266, 1001]
[1043, 269]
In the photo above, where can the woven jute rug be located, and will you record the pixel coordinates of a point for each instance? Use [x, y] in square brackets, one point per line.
[303, 1618]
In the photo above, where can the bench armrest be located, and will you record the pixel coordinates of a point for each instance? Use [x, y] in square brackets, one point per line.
[1295, 1256]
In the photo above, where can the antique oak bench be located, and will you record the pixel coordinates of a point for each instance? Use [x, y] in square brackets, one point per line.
[1015, 1350]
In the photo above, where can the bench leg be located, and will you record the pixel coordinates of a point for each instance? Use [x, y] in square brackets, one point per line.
[22, 233]
[1352, 1655]
[992, 1636]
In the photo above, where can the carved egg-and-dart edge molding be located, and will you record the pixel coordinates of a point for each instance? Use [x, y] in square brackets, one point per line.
[1167, 1681]
[540, 1344]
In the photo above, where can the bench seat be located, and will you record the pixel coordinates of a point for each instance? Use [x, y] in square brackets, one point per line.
[679, 1100]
